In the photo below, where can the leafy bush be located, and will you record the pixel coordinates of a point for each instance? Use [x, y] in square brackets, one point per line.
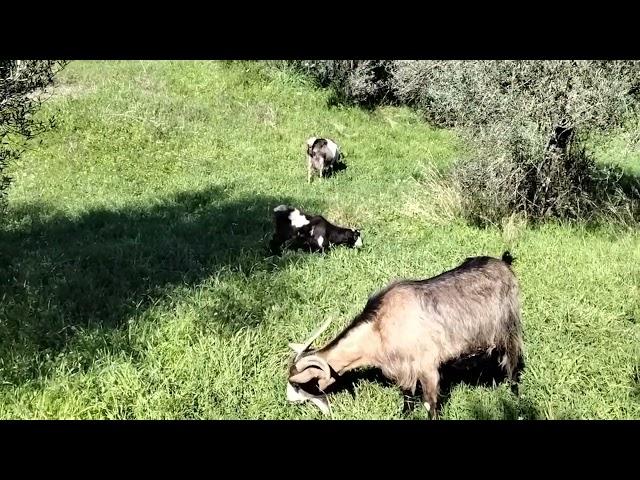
[361, 82]
[527, 123]
[21, 86]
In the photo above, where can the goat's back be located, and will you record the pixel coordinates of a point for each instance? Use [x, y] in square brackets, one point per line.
[472, 307]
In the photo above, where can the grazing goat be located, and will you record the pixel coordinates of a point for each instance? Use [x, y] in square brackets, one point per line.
[411, 327]
[310, 232]
[322, 155]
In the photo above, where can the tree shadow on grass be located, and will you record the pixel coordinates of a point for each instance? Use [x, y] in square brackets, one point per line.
[68, 285]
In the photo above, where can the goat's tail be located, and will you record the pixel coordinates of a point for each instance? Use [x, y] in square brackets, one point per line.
[507, 258]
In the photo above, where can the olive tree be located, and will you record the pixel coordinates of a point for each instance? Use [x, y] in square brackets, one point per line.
[22, 83]
[527, 124]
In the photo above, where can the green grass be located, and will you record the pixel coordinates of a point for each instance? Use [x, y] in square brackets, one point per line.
[135, 282]
[621, 149]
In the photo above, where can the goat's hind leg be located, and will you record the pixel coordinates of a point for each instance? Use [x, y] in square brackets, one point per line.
[430, 382]
[513, 364]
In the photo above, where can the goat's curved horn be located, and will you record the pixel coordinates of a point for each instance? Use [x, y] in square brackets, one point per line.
[314, 361]
[307, 343]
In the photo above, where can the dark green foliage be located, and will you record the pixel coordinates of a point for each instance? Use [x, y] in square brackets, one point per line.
[360, 82]
[526, 123]
[21, 85]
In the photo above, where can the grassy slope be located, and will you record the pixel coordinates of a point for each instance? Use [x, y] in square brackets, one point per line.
[134, 282]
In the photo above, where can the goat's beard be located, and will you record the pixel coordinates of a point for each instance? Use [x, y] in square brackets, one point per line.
[298, 395]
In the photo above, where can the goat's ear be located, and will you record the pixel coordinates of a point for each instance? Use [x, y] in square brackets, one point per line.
[306, 375]
[310, 141]
[297, 347]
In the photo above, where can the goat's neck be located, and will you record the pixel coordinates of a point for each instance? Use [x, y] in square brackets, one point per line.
[354, 349]
[336, 234]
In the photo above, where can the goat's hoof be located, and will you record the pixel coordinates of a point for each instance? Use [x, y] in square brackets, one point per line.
[431, 412]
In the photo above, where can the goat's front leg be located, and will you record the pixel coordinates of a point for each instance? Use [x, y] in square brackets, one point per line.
[308, 170]
[275, 245]
[430, 381]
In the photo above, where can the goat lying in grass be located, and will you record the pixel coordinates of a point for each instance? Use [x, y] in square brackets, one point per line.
[297, 230]
[323, 155]
[411, 327]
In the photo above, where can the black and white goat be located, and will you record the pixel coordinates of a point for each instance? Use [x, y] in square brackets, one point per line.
[298, 230]
[323, 155]
[412, 327]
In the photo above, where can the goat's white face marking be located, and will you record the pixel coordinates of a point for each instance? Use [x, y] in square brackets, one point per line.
[320, 241]
[293, 395]
[280, 208]
[358, 243]
[297, 219]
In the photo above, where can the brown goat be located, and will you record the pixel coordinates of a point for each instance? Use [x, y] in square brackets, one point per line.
[410, 328]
